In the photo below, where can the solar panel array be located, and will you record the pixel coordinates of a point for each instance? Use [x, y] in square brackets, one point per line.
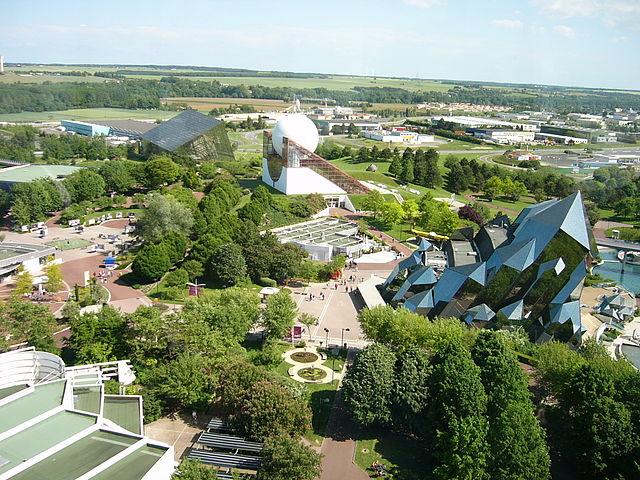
[228, 442]
[226, 460]
[218, 424]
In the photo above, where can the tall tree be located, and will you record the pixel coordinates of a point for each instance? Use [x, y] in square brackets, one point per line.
[368, 386]
[159, 171]
[271, 410]
[163, 214]
[518, 448]
[279, 314]
[457, 414]
[287, 459]
[227, 266]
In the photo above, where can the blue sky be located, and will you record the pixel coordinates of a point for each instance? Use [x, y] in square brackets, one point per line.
[591, 43]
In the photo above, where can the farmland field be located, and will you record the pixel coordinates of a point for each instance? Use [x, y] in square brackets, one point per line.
[84, 114]
[207, 103]
[331, 82]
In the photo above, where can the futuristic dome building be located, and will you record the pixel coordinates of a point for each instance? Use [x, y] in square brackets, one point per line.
[289, 164]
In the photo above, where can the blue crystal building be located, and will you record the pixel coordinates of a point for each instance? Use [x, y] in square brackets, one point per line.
[527, 273]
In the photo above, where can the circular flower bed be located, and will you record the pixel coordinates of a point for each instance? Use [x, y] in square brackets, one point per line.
[304, 357]
[312, 373]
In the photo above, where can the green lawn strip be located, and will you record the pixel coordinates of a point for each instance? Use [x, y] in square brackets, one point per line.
[404, 457]
[69, 243]
[511, 205]
[85, 114]
[125, 213]
[626, 233]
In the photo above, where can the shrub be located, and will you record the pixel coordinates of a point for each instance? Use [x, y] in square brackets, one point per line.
[267, 282]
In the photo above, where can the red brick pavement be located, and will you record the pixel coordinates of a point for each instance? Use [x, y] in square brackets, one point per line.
[73, 272]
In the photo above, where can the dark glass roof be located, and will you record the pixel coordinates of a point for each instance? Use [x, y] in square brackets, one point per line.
[181, 129]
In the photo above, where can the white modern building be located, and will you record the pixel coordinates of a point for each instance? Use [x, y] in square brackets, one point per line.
[57, 423]
[507, 137]
[478, 122]
[560, 139]
[290, 166]
[324, 238]
[397, 136]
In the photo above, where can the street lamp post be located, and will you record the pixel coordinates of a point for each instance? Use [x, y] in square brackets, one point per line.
[342, 340]
[326, 338]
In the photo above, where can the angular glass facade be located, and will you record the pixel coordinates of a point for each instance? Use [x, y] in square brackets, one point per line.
[530, 274]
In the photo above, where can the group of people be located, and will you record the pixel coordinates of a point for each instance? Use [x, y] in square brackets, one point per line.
[312, 296]
[379, 468]
[352, 265]
[102, 276]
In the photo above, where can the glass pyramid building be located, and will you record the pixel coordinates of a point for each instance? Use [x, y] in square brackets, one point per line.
[527, 273]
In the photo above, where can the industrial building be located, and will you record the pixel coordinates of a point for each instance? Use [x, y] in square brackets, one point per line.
[192, 133]
[290, 166]
[29, 172]
[590, 134]
[506, 137]
[327, 125]
[479, 122]
[56, 422]
[133, 129]
[397, 136]
[526, 273]
[84, 128]
[553, 138]
[324, 238]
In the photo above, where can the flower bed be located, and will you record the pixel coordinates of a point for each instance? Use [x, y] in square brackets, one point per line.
[312, 373]
[304, 357]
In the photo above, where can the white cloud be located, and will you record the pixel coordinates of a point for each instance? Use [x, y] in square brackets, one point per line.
[536, 29]
[611, 12]
[510, 24]
[424, 3]
[565, 31]
[622, 39]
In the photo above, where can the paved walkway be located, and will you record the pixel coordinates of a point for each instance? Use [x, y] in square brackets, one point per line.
[339, 446]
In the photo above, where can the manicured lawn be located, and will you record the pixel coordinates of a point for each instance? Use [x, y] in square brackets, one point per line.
[626, 233]
[125, 212]
[504, 203]
[69, 243]
[321, 395]
[404, 457]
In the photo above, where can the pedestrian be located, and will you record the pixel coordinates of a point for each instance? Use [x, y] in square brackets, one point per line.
[194, 415]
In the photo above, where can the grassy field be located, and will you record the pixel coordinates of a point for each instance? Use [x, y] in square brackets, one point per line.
[336, 82]
[84, 114]
[15, 78]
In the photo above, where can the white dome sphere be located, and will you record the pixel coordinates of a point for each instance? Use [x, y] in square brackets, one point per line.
[297, 128]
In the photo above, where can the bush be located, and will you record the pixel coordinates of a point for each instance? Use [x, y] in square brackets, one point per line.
[267, 282]
[176, 278]
[172, 293]
[151, 263]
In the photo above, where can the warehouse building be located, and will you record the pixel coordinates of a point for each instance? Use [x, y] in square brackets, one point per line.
[84, 128]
